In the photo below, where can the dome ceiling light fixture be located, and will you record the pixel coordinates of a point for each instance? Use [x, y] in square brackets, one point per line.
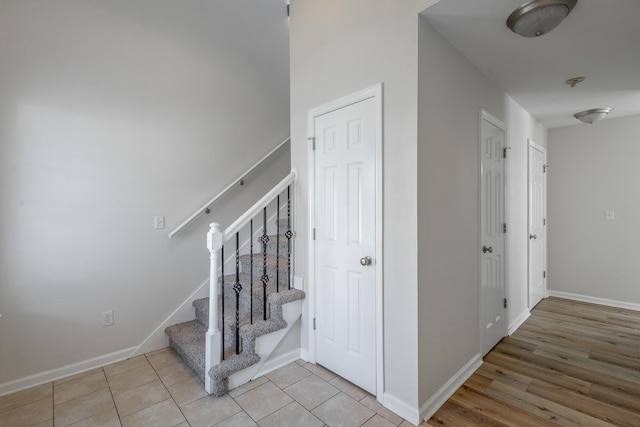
[592, 116]
[538, 17]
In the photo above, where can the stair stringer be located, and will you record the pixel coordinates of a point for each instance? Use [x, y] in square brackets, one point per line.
[276, 325]
[266, 344]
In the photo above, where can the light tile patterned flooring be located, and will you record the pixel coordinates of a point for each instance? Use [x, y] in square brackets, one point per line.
[157, 390]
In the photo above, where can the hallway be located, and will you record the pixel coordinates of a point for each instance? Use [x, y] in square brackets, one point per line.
[571, 364]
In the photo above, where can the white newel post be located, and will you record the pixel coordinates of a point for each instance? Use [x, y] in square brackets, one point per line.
[214, 337]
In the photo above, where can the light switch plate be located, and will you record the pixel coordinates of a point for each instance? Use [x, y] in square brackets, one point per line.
[158, 222]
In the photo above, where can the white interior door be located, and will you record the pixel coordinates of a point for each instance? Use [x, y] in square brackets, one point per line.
[492, 240]
[345, 244]
[537, 225]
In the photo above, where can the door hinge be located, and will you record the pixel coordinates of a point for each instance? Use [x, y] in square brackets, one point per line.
[505, 303]
[544, 168]
[504, 227]
[314, 323]
[288, 10]
[544, 274]
[544, 221]
[504, 152]
[313, 232]
[313, 142]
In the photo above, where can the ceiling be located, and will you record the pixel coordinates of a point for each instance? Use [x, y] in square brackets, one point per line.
[599, 40]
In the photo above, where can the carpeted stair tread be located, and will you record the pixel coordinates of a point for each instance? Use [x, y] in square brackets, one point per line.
[245, 281]
[202, 313]
[259, 257]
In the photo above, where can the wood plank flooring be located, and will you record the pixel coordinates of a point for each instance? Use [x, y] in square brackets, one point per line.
[570, 364]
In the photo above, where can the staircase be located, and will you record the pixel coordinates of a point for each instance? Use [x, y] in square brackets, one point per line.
[254, 301]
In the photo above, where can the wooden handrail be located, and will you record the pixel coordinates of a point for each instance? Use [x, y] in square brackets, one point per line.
[239, 180]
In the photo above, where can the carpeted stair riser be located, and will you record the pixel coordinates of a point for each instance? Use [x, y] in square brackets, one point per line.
[188, 340]
[202, 305]
[283, 246]
[229, 324]
[258, 264]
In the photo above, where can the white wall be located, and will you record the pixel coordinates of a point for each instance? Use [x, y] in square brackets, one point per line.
[594, 168]
[521, 127]
[112, 112]
[432, 99]
[451, 93]
[338, 48]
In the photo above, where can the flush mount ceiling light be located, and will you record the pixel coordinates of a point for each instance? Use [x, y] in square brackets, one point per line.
[592, 116]
[538, 17]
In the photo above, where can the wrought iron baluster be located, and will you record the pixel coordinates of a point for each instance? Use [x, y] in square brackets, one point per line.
[237, 288]
[289, 234]
[222, 298]
[265, 278]
[251, 266]
[278, 243]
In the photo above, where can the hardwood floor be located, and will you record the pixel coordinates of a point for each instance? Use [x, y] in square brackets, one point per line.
[571, 364]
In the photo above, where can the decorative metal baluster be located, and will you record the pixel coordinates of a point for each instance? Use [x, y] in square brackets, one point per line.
[251, 266]
[237, 288]
[265, 278]
[278, 244]
[222, 297]
[289, 234]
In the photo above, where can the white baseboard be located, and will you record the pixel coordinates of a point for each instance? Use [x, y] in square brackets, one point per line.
[155, 341]
[304, 355]
[519, 321]
[63, 372]
[449, 388]
[185, 312]
[401, 408]
[595, 300]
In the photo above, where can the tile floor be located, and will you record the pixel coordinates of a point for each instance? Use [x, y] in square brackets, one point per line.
[157, 389]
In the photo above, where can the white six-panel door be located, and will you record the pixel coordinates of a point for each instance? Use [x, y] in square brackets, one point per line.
[345, 243]
[537, 225]
[492, 233]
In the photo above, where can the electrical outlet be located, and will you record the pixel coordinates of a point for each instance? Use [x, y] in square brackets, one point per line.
[107, 318]
[158, 222]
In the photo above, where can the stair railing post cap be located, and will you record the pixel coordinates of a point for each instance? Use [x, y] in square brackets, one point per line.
[214, 237]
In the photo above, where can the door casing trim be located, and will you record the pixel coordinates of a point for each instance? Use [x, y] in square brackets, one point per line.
[374, 91]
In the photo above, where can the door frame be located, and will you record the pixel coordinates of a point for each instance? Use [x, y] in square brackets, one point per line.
[485, 115]
[543, 150]
[375, 92]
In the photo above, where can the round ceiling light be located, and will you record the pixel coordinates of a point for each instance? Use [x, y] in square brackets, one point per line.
[538, 17]
[592, 116]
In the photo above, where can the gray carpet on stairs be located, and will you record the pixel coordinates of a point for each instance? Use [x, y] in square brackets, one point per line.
[188, 339]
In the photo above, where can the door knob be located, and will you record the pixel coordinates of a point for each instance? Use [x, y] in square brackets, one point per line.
[365, 260]
[487, 249]
[532, 236]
